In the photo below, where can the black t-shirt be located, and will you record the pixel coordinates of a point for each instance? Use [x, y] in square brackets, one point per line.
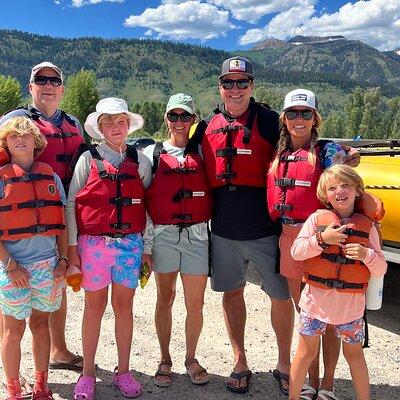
[242, 214]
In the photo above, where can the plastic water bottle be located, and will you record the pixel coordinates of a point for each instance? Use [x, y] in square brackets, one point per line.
[334, 154]
[374, 293]
[73, 277]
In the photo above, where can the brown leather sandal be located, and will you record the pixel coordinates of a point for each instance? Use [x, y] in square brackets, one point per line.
[160, 372]
[195, 372]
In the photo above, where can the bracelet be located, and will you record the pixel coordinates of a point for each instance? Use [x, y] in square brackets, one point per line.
[62, 258]
[320, 242]
[12, 270]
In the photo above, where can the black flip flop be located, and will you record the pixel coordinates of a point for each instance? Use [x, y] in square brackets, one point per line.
[72, 365]
[239, 376]
[280, 376]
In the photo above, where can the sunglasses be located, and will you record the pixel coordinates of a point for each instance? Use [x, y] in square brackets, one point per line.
[228, 84]
[293, 114]
[42, 80]
[184, 117]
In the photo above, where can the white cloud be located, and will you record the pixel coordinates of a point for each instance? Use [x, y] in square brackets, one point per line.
[252, 10]
[183, 19]
[376, 22]
[80, 3]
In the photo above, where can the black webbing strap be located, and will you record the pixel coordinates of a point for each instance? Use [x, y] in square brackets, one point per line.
[39, 204]
[34, 229]
[182, 194]
[65, 158]
[337, 258]
[158, 149]
[61, 135]
[366, 331]
[335, 283]
[29, 177]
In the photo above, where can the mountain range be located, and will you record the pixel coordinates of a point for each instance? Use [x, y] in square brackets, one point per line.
[140, 70]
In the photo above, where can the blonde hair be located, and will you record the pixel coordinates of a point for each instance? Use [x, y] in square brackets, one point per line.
[21, 126]
[284, 143]
[341, 173]
[111, 117]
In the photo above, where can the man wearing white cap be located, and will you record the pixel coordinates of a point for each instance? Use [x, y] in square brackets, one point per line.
[63, 133]
[238, 142]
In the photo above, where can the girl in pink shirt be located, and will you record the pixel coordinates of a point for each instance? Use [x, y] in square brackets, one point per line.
[338, 299]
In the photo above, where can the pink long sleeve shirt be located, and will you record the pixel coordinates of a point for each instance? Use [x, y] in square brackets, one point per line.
[332, 306]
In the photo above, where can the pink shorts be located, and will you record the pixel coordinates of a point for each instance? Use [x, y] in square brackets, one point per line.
[105, 260]
[289, 268]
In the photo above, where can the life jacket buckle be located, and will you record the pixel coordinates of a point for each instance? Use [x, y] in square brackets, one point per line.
[334, 284]
[282, 182]
[227, 152]
[283, 207]
[183, 217]
[182, 194]
[227, 175]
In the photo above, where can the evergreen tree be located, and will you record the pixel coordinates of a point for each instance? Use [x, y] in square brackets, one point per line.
[269, 96]
[333, 126]
[10, 94]
[81, 95]
[371, 117]
[354, 112]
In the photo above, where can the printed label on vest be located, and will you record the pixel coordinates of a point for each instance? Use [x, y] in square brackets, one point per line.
[243, 151]
[136, 201]
[302, 183]
[199, 194]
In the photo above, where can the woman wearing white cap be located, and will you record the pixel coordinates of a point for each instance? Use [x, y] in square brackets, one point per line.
[179, 204]
[291, 191]
[106, 217]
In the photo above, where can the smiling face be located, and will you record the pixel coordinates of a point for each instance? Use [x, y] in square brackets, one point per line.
[299, 128]
[179, 130]
[20, 145]
[236, 100]
[46, 98]
[114, 128]
[341, 195]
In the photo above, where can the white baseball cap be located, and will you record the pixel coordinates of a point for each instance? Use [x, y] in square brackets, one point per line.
[45, 64]
[111, 105]
[300, 97]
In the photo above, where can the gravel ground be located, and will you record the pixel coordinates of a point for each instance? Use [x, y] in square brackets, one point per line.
[214, 350]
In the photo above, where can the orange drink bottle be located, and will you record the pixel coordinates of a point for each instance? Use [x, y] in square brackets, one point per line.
[73, 277]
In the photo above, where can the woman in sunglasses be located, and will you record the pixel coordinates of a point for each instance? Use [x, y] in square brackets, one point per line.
[179, 205]
[292, 181]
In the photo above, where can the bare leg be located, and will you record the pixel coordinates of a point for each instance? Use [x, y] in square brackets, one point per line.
[95, 304]
[235, 320]
[13, 331]
[58, 350]
[331, 351]
[166, 290]
[39, 326]
[306, 351]
[295, 287]
[358, 368]
[283, 328]
[194, 287]
[122, 303]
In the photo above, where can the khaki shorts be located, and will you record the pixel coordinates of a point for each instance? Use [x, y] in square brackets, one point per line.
[230, 259]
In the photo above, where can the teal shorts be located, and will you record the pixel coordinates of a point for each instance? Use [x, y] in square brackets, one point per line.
[42, 295]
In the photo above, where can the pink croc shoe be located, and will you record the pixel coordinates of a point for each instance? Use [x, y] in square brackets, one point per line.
[84, 388]
[127, 384]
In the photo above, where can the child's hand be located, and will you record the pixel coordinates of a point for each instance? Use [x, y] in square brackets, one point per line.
[355, 251]
[334, 235]
[148, 259]
[73, 256]
[19, 277]
[60, 270]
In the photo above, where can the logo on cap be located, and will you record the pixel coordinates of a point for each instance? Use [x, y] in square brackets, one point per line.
[299, 97]
[237, 66]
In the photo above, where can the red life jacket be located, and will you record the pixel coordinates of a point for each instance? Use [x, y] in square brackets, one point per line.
[236, 154]
[331, 269]
[292, 188]
[112, 201]
[179, 193]
[31, 204]
[62, 142]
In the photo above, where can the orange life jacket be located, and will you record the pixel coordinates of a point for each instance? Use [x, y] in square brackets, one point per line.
[112, 201]
[179, 192]
[31, 204]
[331, 269]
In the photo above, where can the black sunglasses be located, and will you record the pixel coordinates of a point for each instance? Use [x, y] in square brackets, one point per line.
[184, 117]
[228, 84]
[293, 114]
[42, 80]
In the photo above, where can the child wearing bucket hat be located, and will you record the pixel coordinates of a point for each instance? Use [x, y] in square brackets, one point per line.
[106, 217]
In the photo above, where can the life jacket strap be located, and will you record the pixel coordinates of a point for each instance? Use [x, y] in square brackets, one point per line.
[39, 204]
[183, 217]
[28, 178]
[63, 158]
[124, 201]
[291, 221]
[227, 152]
[227, 175]
[283, 207]
[34, 229]
[228, 128]
[181, 170]
[120, 225]
[292, 158]
[337, 258]
[61, 135]
[335, 284]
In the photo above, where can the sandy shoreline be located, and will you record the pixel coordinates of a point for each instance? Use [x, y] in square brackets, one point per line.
[214, 350]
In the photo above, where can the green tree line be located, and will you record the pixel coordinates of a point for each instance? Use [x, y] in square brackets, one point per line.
[366, 113]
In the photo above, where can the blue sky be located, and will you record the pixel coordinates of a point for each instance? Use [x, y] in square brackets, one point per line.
[221, 24]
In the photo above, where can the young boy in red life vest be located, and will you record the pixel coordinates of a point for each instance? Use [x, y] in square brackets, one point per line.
[341, 250]
[33, 248]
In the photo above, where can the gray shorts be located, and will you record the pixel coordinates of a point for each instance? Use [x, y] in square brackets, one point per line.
[230, 259]
[184, 252]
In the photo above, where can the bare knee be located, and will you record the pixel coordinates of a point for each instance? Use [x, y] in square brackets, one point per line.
[195, 307]
[15, 332]
[166, 297]
[233, 295]
[39, 323]
[95, 309]
[353, 354]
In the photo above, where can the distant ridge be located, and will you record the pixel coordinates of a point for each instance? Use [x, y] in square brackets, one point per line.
[314, 39]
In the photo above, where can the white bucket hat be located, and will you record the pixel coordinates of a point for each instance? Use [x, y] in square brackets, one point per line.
[111, 105]
[300, 97]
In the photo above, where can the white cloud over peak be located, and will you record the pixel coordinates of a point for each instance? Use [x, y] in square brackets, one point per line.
[80, 3]
[252, 10]
[376, 22]
[183, 19]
